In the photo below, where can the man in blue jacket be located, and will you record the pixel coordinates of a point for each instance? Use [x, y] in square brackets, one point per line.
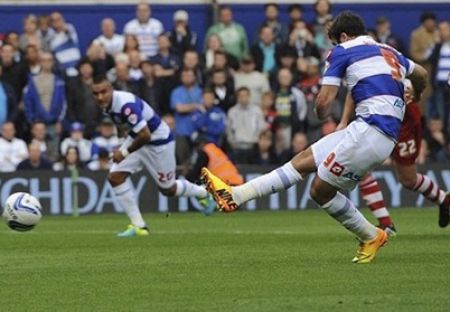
[44, 98]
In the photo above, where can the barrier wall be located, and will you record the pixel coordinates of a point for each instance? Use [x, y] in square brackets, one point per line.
[86, 18]
[54, 190]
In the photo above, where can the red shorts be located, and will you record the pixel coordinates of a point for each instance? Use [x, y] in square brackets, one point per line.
[410, 138]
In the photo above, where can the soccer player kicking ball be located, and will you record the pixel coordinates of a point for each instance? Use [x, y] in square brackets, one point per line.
[149, 143]
[404, 156]
[375, 75]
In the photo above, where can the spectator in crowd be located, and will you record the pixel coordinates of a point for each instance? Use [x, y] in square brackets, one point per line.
[45, 99]
[181, 36]
[279, 31]
[422, 41]
[12, 149]
[13, 73]
[39, 136]
[109, 39]
[8, 101]
[263, 153]
[101, 61]
[107, 139]
[286, 58]
[291, 108]
[245, 123]
[384, 34]
[264, 52]
[223, 89]
[185, 101]
[302, 40]
[81, 105]
[268, 109]
[35, 160]
[102, 162]
[146, 28]
[77, 140]
[45, 32]
[12, 38]
[210, 122]
[166, 66]
[123, 81]
[30, 34]
[134, 70]
[214, 45]
[131, 43]
[310, 85]
[322, 8]
[148, 90]
[255, 81]
[436, 139]
[232, 34]
[440, 73]
[191, 60]
[70, 161]
[221, 63]
[64, 44]
[295, 15]
[298, 145]
[211, 156]
[32, 60]
[323, 41]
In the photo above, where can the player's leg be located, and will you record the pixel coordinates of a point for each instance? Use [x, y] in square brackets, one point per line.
[161, 163]
[417, 182]
[342, 169]
[119, 178]
[230, 198]
[371, 193]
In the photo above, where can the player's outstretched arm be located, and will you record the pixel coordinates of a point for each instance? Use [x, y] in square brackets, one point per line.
[324, 100]
[418, 77]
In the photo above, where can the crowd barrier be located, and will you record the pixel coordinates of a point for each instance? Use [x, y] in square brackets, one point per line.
[94, 195]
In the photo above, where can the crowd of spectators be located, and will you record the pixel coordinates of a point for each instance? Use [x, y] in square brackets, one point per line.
[255, 100]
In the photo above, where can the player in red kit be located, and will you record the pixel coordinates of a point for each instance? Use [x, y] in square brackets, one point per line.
[404, 158]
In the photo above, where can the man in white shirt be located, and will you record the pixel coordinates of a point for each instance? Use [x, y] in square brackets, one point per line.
[12, 149]
[77, 140]
[112, 42]
[146, 29]
[248, 77]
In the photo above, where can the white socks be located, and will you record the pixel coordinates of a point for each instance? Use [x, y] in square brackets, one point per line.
[126, 196]
[272, 182]
[188, 189]
[343, 210]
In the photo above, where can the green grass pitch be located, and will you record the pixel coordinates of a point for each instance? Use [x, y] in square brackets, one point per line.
[265, 261]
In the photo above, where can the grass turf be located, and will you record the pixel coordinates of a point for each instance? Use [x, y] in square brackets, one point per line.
[265, 261]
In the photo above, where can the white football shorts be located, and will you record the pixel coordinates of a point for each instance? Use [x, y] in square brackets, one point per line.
[343, 158]
[159, 160]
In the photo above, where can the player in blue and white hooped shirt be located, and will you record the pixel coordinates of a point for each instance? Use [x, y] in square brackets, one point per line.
[149, 144]
[375, 75]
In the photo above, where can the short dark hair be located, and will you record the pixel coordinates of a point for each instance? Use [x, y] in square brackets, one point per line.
[241, 89]
[208, 90]
[99, 79]
[294, 7]
[271, 4]
[224, 7]
[349, 23]
[427, 15]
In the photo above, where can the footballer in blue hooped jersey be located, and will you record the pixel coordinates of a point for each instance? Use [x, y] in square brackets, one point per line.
[149, 144]
[374, 74]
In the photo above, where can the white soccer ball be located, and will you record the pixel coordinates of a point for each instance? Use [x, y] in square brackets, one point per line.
[22, 211]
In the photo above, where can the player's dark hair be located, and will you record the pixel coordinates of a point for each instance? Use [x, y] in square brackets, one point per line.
[349, 23]
[99, 79]
[271, 4]
[427, 15]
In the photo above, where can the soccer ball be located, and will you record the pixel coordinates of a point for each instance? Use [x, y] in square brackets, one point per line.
[22, 211]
